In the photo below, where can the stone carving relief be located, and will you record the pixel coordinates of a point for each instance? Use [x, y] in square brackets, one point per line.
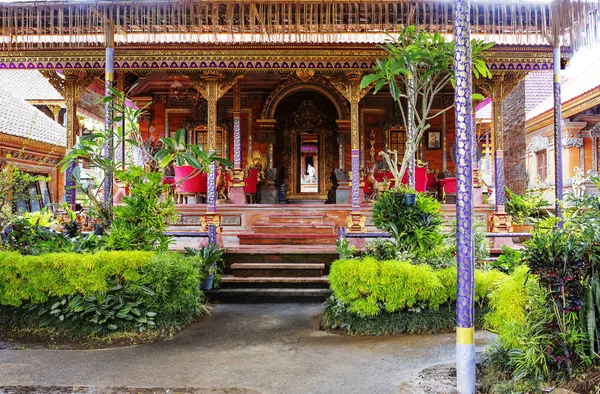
[538, 144]
[572, 142]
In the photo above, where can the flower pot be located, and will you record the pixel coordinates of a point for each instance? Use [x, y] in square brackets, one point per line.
[521, 228]
[383, 187]
[190, 184]
[98, 229]
[208, 283]
[410, 199]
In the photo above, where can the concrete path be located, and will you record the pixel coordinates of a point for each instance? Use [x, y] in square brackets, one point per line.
[269, 348]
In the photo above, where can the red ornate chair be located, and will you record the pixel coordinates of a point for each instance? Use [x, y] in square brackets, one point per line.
[433, 183]
[448, 187]
[420, 179]
[251, 184]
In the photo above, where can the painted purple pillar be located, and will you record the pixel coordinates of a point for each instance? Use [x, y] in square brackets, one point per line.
[108, 115]
[237, 142]
[465, 346]
[237, 128]
[355, 180]
[211, 193]
[410, 131]
[558, 149]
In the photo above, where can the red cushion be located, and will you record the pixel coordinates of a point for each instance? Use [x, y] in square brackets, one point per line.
[420, 179]
[449, 185]
[251, 182]
[432, 182]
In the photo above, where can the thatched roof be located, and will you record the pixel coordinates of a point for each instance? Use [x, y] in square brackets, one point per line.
[39, 24]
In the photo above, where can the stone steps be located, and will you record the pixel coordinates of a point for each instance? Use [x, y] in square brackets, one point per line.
[296, 228]
[304, 218]
[277, 269]
[279, 295]
[287, 257]
[230, 279]
[287, 239]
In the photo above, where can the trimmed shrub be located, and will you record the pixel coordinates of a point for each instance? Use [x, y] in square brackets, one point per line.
[416, 228]
[369, 287]
[413, 321]
[105, 291]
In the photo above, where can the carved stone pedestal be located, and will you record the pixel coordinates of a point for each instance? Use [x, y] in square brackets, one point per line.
[501, 222]
[269, 192]
[343, 193]
[236, 195]
[356, 223]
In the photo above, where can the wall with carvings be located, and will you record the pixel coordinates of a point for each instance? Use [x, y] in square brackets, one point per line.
[37, 158]
[515, 144]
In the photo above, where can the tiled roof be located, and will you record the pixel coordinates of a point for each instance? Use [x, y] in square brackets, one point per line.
[28, 85]
[580, 77]
[538, 87]
[21, 119]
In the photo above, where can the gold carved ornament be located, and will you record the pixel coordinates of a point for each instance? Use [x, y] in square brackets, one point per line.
[295, 84]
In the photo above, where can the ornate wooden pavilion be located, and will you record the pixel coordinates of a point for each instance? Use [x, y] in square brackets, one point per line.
[274, 82]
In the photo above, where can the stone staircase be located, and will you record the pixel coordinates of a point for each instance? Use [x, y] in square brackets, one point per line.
[285, 259]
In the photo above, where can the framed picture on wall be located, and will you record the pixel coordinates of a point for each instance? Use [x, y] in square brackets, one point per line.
[434, 140]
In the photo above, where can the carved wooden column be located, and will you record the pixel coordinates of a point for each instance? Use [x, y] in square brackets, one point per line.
[444, 145]
[55, 109]
[595, 133]
[558, 148]
[349, 86]
[212, 87]
[341, 140]
[236, 193]
[498, 88]
[71, 87]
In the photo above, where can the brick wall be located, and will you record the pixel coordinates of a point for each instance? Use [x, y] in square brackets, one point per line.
[515, 145]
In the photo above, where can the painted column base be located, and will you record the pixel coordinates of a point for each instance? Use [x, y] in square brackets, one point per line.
[356, 223]
[210, 219]
[236, 195]
[501, 222]
[465, 368]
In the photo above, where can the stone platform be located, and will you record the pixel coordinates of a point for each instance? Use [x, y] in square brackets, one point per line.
[279, 252]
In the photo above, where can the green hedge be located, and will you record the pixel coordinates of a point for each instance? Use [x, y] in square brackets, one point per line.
[369, 287]
[100, 292]
[412, 321]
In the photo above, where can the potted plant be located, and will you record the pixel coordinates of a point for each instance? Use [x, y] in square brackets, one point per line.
[383, 186]
[190, 159]
[211, 257]
[525, 210]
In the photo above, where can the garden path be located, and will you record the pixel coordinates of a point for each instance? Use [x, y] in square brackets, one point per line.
[266, 348]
